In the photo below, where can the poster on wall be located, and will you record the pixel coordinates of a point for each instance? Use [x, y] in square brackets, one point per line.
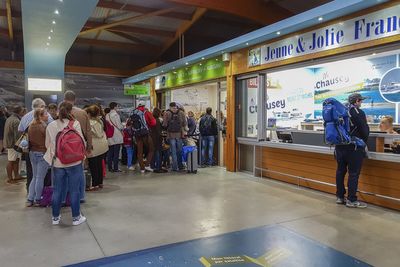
[12, 88]
[290, 101]
[252, 91]
[254, 57]
[360, 75]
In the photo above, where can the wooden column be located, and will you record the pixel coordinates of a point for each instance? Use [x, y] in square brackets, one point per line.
[231, 114]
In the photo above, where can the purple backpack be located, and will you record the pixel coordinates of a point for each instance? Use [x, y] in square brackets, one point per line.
[47, 196]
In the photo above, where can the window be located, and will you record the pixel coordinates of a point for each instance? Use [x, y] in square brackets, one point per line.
[247, 98]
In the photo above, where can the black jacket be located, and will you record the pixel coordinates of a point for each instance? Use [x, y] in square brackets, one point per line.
[359, 126]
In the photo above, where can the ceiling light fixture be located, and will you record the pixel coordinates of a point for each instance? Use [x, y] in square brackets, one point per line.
[187, 63]
[49, 37]
[320, 19]
[278, 33]
[54, 22]
[202, 58]
[56, 12]
[47, 44]
[51, 31]
[247, 43]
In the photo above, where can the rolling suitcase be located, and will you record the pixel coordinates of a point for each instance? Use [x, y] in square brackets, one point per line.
[192, 161]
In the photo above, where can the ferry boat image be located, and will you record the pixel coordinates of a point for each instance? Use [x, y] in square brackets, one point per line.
[287, 115]
[391, 88]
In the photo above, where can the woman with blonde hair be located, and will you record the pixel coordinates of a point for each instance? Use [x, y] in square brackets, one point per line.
[386, 125]
[37, 147]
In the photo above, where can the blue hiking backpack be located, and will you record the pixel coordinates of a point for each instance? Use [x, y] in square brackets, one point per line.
[336, 122]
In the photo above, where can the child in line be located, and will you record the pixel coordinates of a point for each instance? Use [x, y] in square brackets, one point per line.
[128, 144]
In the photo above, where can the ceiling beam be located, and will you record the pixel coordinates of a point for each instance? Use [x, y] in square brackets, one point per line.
[129, 37]
[124, 21]
[132, 29]
[183, 28]
[256, 10]
[116, 45]
[9, 21]
[142, 9]
[14, 14]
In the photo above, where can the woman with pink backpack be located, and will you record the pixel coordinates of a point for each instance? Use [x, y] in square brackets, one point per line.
[65, 152]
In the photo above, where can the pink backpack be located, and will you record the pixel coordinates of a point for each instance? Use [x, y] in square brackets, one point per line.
[70, 146]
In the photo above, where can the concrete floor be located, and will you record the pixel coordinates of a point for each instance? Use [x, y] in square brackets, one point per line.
[141, 211]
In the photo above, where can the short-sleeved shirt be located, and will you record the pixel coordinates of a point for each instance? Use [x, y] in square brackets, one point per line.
[27, 119]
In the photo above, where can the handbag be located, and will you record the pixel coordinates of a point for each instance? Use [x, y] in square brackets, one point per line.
[22, 144]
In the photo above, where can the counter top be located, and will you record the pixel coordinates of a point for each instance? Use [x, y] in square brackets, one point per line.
[390, 157]
[385, 135]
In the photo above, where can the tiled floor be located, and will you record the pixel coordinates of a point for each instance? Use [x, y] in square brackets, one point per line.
[137, 211]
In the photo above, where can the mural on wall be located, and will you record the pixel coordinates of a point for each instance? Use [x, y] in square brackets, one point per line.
[12, 86]
[89, 89]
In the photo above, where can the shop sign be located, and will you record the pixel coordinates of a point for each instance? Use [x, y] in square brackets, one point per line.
[202, 71]
[377, 25]
[137, 89]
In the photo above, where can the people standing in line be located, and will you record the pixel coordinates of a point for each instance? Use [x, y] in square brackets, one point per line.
[100, 147]
[156, 135]
[128, 144]
[26, 120]
[142, 122]
[3, 119]
[350, 157]
[11, 135]
[208, 131]
[37, 149]
[191, 124]
[175, 122]
[82, 117]
[64, 175]
[116, 140]
[52, 109]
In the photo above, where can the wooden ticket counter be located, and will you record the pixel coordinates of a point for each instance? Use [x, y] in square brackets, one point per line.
[315, 167]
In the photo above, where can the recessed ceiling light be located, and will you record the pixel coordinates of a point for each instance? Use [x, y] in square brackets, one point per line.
[47, 44]
[200, 64]
[373, 54]
[51, 31]
[54, 22]
[162, 71]
[278, 33]
[202, 58]
[49, 37]
[187, 63]
[56, 12]
[247, 43]
[216, 59]
[320, 18]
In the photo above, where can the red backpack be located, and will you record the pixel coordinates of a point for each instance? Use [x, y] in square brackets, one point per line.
[70, 146]
[109, 129]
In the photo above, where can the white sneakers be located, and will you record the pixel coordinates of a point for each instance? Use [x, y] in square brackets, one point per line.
[149, 169]
[79, 221]
[131, 168]
[75, 222]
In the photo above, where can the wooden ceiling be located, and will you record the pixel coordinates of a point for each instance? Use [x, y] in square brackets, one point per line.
[130, 34]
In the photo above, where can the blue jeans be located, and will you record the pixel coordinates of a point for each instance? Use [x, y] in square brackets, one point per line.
[207, 142]
[39, 170]
[67, 177]
[113, 157]
[157, 160]
[130, 152]
[176, 152]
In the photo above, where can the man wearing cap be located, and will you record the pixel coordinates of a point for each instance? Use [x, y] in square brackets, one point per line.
[143, 121]
[350, 158]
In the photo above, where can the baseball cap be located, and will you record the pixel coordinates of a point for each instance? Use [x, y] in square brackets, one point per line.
[141, 104]
[354, 97]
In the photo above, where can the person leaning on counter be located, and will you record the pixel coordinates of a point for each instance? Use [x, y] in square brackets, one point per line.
[386, 125]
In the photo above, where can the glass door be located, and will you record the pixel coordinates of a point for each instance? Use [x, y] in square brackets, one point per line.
[221, 117]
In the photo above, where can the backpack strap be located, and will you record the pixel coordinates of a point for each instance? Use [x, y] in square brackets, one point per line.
[71, 124]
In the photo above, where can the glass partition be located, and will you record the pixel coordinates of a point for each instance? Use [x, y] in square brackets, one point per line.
[247, 97]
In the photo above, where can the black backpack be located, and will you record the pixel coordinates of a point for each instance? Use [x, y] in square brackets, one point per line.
[209, 126]
[139, 125]
[174, 124]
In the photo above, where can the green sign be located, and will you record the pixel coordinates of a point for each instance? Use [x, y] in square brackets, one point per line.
[200, 72]
[136, 89]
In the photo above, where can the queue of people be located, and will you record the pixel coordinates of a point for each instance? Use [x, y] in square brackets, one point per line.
[62, 141]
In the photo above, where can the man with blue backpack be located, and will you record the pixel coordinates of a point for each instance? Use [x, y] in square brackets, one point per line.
[346, 127]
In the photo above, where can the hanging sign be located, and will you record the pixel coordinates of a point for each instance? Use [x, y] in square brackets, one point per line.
[136, 89]
[376, 25]
[200, 72]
